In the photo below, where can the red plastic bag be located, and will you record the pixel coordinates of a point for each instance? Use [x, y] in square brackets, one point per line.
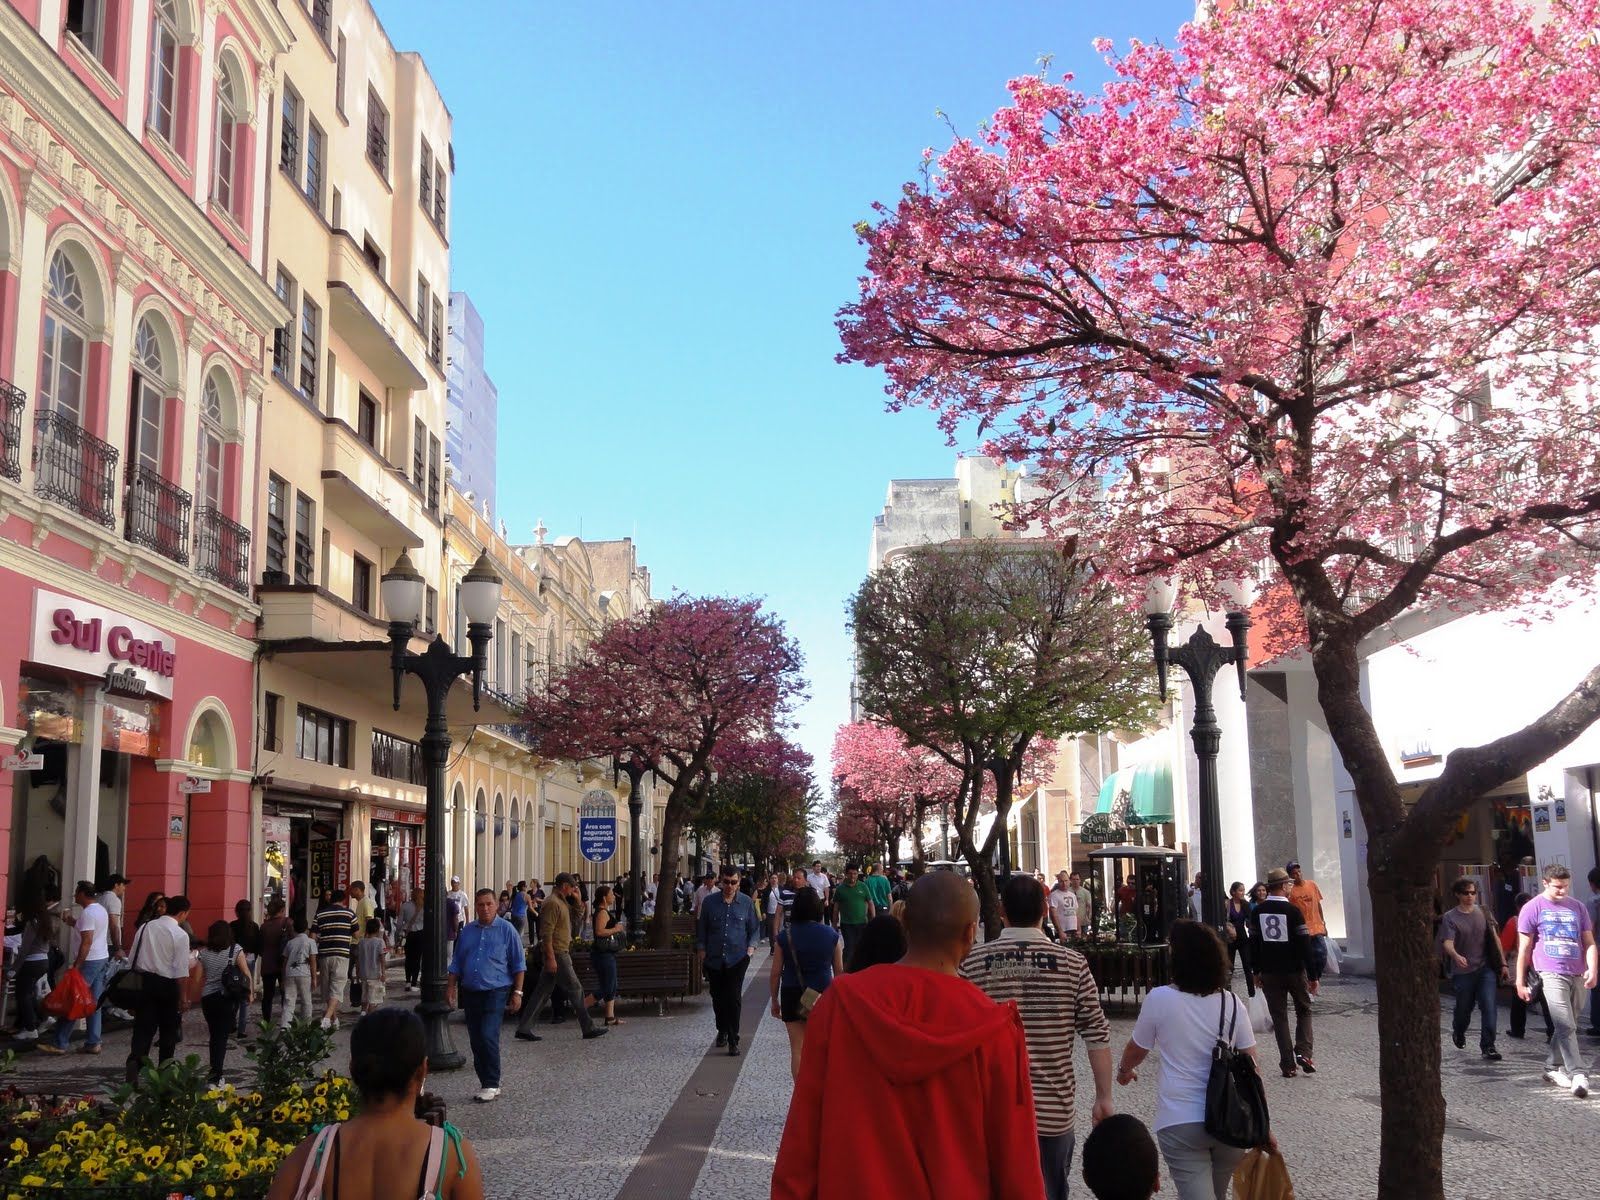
[70, 998]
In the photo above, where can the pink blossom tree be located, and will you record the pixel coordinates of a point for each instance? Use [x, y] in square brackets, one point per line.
[672, 686]
[895, 783]
[762, 801]
[1316, 287]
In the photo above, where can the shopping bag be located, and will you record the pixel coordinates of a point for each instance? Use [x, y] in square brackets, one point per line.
[1260, 1016]
[1262, 1175]
[71, 997]
[1333, 956]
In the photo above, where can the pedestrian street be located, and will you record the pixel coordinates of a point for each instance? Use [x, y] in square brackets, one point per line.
[653, 1112]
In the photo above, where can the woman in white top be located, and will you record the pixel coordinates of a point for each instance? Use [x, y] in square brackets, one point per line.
[1181, 1020]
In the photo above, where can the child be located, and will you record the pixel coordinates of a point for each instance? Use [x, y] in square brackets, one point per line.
[299, 967]
[372, 953]
[1120, 1161]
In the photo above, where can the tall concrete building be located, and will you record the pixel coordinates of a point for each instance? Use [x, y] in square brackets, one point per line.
[474, 406]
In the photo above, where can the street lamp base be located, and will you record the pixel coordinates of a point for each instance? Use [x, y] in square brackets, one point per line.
[442, 1053]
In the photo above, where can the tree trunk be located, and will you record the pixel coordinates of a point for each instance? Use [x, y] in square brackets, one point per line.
[988, 892]
[1410, 1157]
[672, 823]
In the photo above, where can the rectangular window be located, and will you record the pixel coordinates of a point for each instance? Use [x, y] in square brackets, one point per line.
[315, 162]
[425, 180]
[86, 22]
[423, 292]
[373, 253]
[377, 133]
[305, 533]
[336, 210]
[321, 17]
[271, 718]
[396, 758]
[515, 681]
[438, 196]
[321, 737]
[277, 530]
[419, 453]
[433, 474]
[367, 418]
[340, 58]
[361, 583]
[283, 336]
[430, 610]
[289, 135]
[436, 334]
[310, 346]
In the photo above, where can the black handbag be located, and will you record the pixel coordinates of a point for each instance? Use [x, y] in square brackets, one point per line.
[235, 983]
[1236, 1101]
[127, 986]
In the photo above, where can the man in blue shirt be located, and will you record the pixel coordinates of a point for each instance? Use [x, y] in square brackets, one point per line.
[488, 964]
[725, 934]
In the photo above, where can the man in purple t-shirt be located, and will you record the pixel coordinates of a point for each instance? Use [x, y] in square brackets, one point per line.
[1557, 934]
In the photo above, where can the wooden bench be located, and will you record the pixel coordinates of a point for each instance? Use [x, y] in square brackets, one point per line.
[656, 975]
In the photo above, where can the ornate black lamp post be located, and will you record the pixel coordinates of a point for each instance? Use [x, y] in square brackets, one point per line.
[1201, 658]
[402, 588]
[634, 768]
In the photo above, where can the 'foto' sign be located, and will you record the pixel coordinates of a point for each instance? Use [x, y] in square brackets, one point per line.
[134, 658]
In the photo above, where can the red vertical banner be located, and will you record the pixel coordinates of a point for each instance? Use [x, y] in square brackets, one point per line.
[341, 864]
[419, 866]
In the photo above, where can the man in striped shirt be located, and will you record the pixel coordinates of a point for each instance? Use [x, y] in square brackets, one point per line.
[1055, 993]
[334, 931]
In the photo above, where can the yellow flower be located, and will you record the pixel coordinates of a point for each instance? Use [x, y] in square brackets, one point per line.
[19, 1146]
[211, 1189]
[154, 1156]
[33, 1181]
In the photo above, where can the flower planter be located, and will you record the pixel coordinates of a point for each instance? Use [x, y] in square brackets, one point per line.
[1123, 973]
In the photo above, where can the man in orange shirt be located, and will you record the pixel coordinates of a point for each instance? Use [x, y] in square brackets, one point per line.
[1307, 897]
[914, 1084]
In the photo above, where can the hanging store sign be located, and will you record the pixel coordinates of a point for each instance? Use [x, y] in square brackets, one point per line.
[22, 762]
[341, 864]
[398, 816]
[131, 657]
[193, 784]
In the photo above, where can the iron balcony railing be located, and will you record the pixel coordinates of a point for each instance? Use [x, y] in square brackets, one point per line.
[158, 514]
[12, 402]
[222, 549]
[75, 469]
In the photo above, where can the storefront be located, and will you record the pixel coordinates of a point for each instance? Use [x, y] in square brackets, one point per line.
[118, 764]
[395, 857]
[302, 835]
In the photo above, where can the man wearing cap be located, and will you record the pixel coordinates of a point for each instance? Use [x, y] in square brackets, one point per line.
[455, 909]
[1286, 965]
[1307, 897]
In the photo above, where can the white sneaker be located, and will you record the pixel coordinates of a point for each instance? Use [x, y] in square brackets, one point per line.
[488, 1094]
[1580, 1085]
[1558, 1077]
[26, 1035]
[120, 1014]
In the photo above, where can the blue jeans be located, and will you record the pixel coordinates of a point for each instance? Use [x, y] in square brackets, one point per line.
[484, 1011]
[94, 974]
[605, 969]
[1476, 987]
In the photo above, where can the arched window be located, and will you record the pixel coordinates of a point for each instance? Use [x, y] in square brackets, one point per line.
[208, 467]
[151, 386]
[224, 186]
[164, 70]
[66, 338]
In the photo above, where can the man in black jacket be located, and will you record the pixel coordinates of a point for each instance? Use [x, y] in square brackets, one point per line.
[1286, 965]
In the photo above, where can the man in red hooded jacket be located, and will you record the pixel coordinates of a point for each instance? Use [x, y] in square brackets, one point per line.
[913, 1084]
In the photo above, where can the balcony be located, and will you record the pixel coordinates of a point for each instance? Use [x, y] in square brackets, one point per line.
[222, 550]
[366, 492]
[12, 402]
[158, 514]
[75, 469]
[372, 320]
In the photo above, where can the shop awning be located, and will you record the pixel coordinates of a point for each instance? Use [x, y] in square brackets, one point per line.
[1149, 790]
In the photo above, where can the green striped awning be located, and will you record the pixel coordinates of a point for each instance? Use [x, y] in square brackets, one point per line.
[1149, 791]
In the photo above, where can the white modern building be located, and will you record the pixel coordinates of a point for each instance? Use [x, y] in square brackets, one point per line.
[474, 408]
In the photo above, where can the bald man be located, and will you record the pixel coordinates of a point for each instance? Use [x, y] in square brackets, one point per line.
[912, 1078]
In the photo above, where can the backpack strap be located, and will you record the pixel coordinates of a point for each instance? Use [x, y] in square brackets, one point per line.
[315, 1170]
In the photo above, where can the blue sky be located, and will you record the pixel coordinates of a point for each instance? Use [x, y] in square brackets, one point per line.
[653, 211]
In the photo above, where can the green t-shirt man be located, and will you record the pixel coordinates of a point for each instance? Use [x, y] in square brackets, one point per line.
[878, 885]
[852, 901]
